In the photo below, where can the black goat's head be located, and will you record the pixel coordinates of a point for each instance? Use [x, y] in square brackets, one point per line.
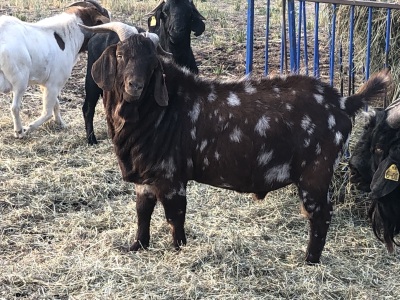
[128, 67]
[375, 165]
[176, 19]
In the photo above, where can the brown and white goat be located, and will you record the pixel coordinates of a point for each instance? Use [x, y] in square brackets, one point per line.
[169, 126]
[43, 53]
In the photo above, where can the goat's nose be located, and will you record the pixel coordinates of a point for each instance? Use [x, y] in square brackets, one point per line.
[134, 85]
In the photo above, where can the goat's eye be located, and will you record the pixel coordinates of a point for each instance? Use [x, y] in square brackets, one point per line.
[378, 151]
[119, 56]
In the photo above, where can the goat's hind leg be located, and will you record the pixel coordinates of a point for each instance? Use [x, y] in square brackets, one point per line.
[318, 209]
[50, 105]
[19, 131]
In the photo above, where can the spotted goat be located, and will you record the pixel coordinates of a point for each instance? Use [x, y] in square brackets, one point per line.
[169, 126]
[173, 21]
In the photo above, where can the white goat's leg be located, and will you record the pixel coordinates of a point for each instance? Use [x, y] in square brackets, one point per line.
[15, 109]
[57, 115]
[49, 101]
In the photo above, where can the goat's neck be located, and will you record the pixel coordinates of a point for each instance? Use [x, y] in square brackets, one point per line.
[66, 26]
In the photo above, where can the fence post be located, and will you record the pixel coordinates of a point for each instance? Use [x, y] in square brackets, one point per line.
[250, 32]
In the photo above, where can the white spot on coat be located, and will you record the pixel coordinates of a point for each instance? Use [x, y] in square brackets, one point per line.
[203, 145]
[318, 149]
[338, 137]
[193, 133]
[262, 125]
[320, 89]
[195, 112]
[319, 98]
[206, 162]
[217, 155]
[276, 90]
[343, 102]
[169, 167]
[190, 163]
[248, 88]
[331, 121]
[233, 99]
[236, 135]
[265, 157]
[289, 107]
[279, 173]
[307, 125]
[307, 143]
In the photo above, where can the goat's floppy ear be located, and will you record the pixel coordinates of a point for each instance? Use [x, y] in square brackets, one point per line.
[387, 176]
[386, 179]
[160, 89]
[197, 25]
[105, 68]
[153, 22]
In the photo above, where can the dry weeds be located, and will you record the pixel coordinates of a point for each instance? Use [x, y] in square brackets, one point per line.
[66, 217]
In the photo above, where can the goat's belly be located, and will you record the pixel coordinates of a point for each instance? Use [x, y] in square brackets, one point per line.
[245, 179]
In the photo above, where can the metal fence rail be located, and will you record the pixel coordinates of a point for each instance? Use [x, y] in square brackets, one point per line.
[296, 36]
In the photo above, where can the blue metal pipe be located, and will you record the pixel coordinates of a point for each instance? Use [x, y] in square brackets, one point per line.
[292, 36]
[387, 44]
[316, 43]
[250, 33]
[368, 58]
[305, 37]
[332, 47]
[267, 39]
[301, 3]
[351, 48]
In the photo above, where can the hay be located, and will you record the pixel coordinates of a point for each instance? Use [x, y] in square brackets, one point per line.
[66, 217]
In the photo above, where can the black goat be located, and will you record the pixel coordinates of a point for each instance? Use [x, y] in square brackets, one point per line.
[169, 126]
[173, 21]
[374, 166]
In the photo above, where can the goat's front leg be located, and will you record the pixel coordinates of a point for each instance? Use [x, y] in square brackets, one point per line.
[145, 203]
[174, 203]
[15, 110]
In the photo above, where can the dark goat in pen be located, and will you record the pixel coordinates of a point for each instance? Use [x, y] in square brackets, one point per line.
[172, 21]
[169, 126]
[374, 166]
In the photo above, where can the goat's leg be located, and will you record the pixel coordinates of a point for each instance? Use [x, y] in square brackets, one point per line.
[175, 211]
[145, 203]
[318, 209]
[49, 102]
[93, 92]
[57, 115]
[15, 110]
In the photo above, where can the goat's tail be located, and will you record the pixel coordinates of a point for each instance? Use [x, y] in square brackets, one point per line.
[376, 86]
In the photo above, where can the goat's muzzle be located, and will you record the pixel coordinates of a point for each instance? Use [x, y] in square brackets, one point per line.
[133, 90]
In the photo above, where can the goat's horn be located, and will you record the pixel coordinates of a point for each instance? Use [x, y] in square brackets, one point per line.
[88, 3]
[393, 114]
[123, 30]
[155, 9]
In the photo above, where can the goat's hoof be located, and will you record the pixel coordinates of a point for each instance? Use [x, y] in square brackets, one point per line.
[137, 245]
[258, 196]
[19, 134]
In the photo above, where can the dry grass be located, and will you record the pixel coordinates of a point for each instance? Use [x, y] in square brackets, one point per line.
[66, 217]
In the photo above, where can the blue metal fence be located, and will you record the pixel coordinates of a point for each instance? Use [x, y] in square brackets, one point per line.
[297, 38]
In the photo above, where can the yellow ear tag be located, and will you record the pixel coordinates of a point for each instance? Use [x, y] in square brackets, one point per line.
[392, 173]
[153, 21]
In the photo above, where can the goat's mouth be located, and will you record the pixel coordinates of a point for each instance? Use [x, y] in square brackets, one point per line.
[132, 97]
[359, 182]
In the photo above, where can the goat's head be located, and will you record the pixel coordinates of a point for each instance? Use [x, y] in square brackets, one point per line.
[375, 165]
[90, 12]
[129, 67]
[176, 18]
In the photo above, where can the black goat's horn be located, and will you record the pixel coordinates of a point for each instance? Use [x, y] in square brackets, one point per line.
[123, 30]
[161, 3]
[89, 3]
[393, 114]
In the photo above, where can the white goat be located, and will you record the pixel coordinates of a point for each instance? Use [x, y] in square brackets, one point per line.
[43, 53]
